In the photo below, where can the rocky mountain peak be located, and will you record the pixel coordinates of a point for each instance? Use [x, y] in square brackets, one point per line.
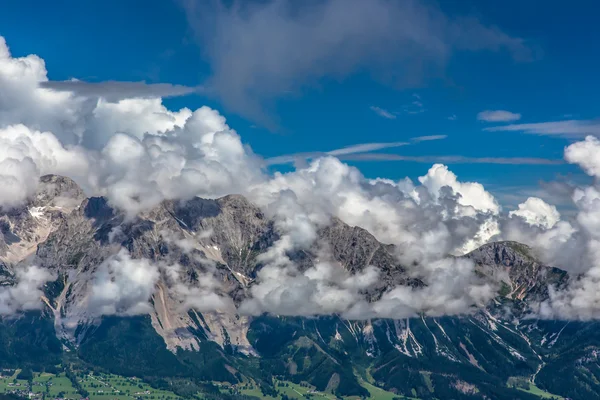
[58, 191]
[516, 265]
[23, 228]
[504, 253]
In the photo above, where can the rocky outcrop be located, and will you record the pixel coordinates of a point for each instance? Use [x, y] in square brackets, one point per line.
[514, 263]
[23, 228]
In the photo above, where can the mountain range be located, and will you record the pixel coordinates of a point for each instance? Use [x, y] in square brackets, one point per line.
[168, 331]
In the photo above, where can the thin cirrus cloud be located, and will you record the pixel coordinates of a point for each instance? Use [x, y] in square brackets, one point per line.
[365, 152]
[383, 112]
[362, 148]
[566, 128]
[452, 159]
[498, 116]
[416, 105]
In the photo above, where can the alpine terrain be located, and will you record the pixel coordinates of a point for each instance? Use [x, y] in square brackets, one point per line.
[171, 337]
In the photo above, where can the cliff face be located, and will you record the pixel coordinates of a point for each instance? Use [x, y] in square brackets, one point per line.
[72, 236]
[525, 277]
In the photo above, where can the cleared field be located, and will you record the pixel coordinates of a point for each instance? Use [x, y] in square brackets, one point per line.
[54, 386]
[296, 391]
[121, 388]
[10, 384]
[540, 393]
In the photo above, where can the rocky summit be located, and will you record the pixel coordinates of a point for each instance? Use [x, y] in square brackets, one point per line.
[167, 329]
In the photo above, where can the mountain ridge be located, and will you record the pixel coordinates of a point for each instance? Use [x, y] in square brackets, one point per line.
[226, 236]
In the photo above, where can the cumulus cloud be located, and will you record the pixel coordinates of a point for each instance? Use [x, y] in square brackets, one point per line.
[472, 194]
[572, 245]
[23, 101]
[324, 289]
[261, 51]
[579, 301]
[452, 288]
[134, 151]
[585, 154]
[122, 286]
[137, 153]
[25, 155]
[205, 294]
[26, 293]
[125, 286]
[498, 116]
[536, 211]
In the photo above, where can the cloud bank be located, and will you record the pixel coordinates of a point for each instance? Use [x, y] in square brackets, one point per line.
[116, 90]
[137, 153]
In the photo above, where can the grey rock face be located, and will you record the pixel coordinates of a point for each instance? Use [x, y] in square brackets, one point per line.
[237, 227]
[22, 229]
[527, 278]
[225, 234]
[58, 191]
[63, 231]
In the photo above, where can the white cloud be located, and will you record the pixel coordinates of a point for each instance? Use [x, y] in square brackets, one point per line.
[122, 286]
[25, 155]
[566, 128]
[383, 112]
[26, 294]
[453, 288]
[572, 245]
[498, 116]
[428, 138]
[324, 289]
[472, 194]
[585, 154]
[115, 90]
[138, 153]
[536, 211]
[362, 148]
[451, 159]
[365, 147]
[205, 294]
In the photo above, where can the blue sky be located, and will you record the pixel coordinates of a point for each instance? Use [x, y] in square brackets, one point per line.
[321, 107]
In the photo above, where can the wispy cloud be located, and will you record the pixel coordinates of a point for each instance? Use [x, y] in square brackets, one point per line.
[342, 153]
[428, 138]
[116, 90]
[567, 128]
[452, 159]
[401, 43]
[453, 117]
[383, 112]
[365, 147]
[498, 116]
[416, 105]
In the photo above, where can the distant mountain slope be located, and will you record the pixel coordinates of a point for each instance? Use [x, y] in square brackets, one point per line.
[466, 357]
